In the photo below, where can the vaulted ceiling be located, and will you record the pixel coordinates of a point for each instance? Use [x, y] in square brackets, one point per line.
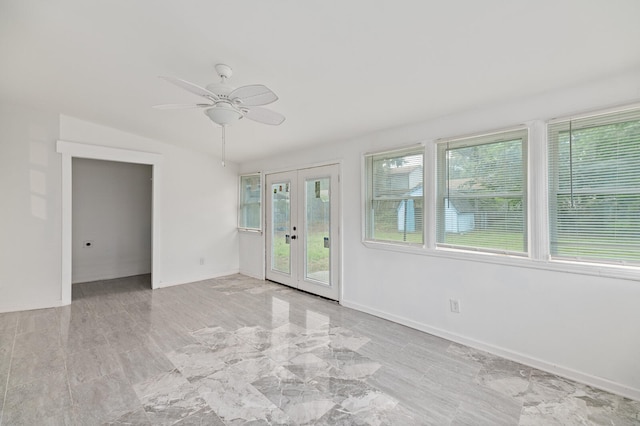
[341, 68]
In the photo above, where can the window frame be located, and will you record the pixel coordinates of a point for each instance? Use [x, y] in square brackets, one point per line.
[367, 195]
[576, 123]
[539, 257]
[243, 226]
[443, 146]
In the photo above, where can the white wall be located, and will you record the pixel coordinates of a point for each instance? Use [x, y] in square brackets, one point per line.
[198, 204]
[582, 326]
[112, 212]
[198, 207]
[30, 221]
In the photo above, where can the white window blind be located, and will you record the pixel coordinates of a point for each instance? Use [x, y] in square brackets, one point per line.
[395, 196]
[482, 193]
[594, 188]
[249, 209]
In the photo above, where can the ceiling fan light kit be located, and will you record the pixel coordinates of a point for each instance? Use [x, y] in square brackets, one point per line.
[228, 104]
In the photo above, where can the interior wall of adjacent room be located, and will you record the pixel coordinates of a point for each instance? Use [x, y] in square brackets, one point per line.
[583, 326]
[111, 234]
[198, 208]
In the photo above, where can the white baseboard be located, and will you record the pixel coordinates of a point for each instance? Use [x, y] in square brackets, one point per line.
[543, 365]
[31, 306]
[252, 275]
[196, 279]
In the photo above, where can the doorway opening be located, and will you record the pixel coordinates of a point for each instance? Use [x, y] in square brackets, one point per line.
[111, 221]
[71, 150]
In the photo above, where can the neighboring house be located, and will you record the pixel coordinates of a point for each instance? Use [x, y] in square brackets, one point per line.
[409, 207]
[459, 216]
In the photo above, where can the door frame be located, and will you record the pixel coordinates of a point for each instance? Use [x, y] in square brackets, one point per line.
[70, 150]
[340, 240]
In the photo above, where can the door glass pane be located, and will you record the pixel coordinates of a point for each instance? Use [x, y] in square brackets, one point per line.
[280, 228]
[317, 214]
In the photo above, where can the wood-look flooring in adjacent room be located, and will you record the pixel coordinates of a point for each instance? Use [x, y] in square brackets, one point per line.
[237, 350]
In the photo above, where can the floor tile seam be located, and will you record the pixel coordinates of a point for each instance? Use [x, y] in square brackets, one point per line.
[66, 376]
[6, 387]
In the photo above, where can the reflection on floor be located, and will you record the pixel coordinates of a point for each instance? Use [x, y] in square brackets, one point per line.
[237, 350]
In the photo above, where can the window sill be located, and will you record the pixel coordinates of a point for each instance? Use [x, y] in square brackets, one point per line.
[572, 267]
[250, 231]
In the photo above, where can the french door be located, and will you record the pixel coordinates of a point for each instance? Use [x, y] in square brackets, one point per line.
[303, 213]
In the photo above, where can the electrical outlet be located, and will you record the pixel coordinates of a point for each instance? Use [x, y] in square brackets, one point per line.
[202, 261]
[455, 305]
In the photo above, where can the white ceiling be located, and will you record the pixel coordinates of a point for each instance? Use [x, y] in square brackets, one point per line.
[341, 68]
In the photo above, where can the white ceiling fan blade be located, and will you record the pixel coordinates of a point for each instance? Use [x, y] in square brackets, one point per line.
[253, 95]
[263, 115]
[182, 106]
[193, 88]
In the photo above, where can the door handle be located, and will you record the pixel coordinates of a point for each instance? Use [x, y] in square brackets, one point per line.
[287, 239]
[293, 237]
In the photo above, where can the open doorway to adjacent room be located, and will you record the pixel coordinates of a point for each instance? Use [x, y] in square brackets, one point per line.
[111, 223]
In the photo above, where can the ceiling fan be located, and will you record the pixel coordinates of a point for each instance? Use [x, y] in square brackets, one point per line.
[226, 104]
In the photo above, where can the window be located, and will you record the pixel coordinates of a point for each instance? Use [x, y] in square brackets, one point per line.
[482, 193]
[394, 196]
[250, 207]
[594, 188]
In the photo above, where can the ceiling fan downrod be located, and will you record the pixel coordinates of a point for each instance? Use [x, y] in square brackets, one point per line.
[224, 127]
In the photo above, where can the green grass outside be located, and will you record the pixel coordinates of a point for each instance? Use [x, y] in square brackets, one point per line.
[317, 255]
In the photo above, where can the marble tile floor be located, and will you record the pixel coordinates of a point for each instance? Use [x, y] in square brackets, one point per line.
[236, 350]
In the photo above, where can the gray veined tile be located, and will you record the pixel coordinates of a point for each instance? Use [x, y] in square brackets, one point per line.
[263, 354]
[339, 416]
[546, 387]
[343, 338]
[353, 393]
[202, 417]
[567, 412]
[258, 337]
[238, 402]
[36, 342]
[169, 398]
[82, 338]
[137, 417]
[431, 404]
[124, 334]
[102, 400]
[302, 402]
[182, 314]
[37, 320]
[45, 401]
[398, 415]
[403, 363]
[215, 337]
[35, 366]
[91, 363]
[308, 366]
[8, 322]
[196, 361]
[506, 377]
[253, 369]
[105, 306]
[144, 362]
[424, 359]
[170, 337]
[283, 353]
[349, 363]
[226, 345]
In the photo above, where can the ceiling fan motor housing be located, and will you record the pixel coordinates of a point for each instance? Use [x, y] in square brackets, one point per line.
[223, 114]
